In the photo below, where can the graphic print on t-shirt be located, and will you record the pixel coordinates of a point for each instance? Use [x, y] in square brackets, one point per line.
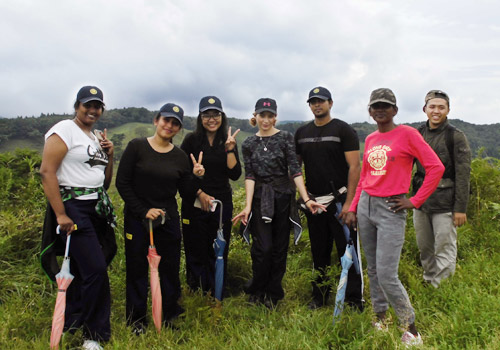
[96, 157]
[377, 158]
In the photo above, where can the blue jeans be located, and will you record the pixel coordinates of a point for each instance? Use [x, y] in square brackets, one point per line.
[382, 235]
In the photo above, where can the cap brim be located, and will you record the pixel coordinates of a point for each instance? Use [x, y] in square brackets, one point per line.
[318, 96]
[91, 98]
[381, 100]
[211, 107]
[265, 110]
[171, 115]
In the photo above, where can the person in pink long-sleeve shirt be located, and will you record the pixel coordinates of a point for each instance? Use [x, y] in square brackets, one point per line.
[380, 204]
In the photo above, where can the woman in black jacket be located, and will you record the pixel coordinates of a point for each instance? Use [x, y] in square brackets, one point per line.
[150, 173]
[214, 140]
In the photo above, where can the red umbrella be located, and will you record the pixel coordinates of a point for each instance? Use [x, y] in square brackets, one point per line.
[63, 278]
[154, 261]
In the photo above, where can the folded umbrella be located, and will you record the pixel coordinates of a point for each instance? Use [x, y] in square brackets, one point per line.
[154, 261]
[63, 279]
[219, 246]
[347, 260]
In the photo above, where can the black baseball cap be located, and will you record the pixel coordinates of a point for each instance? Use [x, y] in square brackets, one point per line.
[210, 102]
[319, 92]
[90, 93]
[172, 110]
[266, 104]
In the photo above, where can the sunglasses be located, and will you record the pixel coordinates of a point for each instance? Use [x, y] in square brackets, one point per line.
[381, 105]
[93, 104]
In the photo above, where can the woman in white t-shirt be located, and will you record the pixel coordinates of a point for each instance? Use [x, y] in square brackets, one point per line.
[77, 166]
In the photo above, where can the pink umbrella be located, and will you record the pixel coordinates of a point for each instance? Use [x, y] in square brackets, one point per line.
[63, 278]
[154, 261]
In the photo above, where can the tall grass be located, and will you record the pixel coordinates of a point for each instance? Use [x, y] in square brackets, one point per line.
[462, 314]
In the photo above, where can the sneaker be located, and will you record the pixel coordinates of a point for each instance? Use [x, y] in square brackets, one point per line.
[91, 345]
[408, 339]
[380, 326]
[138, 329]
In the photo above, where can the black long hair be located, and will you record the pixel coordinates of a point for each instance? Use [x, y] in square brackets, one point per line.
[220, 135]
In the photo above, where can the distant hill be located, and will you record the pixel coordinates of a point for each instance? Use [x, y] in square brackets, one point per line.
[29, 131]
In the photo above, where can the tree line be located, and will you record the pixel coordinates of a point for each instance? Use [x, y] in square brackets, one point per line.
[479, 136]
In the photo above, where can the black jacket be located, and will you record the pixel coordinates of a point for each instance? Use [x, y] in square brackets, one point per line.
[452, 193]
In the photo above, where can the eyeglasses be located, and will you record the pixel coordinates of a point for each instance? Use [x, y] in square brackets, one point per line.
[216, 116]
[93, 104]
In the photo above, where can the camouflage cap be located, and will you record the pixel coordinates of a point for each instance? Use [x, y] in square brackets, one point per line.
[382, 95]
[436, 94]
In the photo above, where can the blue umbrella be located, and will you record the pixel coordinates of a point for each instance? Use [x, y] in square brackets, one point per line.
[347, 235]
[347, 260]
[219, 246]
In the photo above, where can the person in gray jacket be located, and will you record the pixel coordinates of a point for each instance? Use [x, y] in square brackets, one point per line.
[437, 219]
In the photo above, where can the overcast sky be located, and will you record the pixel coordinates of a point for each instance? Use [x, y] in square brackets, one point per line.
[147, 53]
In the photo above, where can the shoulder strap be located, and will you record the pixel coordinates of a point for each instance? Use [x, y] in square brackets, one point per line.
[420, 129]
[450, 145]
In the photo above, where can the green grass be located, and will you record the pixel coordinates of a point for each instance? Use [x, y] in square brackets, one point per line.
[462, 314]
[12, 145]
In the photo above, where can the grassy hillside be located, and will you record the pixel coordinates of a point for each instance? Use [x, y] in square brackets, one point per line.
[480, 136]
[461, 314]
[13, 144]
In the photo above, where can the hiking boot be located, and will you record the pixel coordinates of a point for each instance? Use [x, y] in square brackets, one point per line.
[355, 305]
[315, 304]
[409, 340]
[91, 345]
[254, 299]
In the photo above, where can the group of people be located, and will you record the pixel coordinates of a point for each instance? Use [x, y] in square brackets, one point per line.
[77, 167]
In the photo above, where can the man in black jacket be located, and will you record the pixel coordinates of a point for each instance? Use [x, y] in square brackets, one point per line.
[437, 219]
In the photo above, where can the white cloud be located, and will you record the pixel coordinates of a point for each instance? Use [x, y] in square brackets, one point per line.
[145, 53]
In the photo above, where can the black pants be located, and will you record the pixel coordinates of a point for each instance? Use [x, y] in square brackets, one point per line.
[269, 249]
[167, 240]
[199, 230]
[323, 230]
[88, 298]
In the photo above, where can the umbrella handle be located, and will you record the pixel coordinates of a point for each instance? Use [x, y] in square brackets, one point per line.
[220, 217]
[68, 239]
[151, 242]
[347, 235]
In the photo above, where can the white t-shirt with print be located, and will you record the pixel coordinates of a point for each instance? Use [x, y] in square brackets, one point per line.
[85, 162]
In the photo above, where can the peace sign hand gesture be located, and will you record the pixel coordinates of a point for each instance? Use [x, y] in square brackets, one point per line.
[231, 140]
[106, 145]
[198, 169]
